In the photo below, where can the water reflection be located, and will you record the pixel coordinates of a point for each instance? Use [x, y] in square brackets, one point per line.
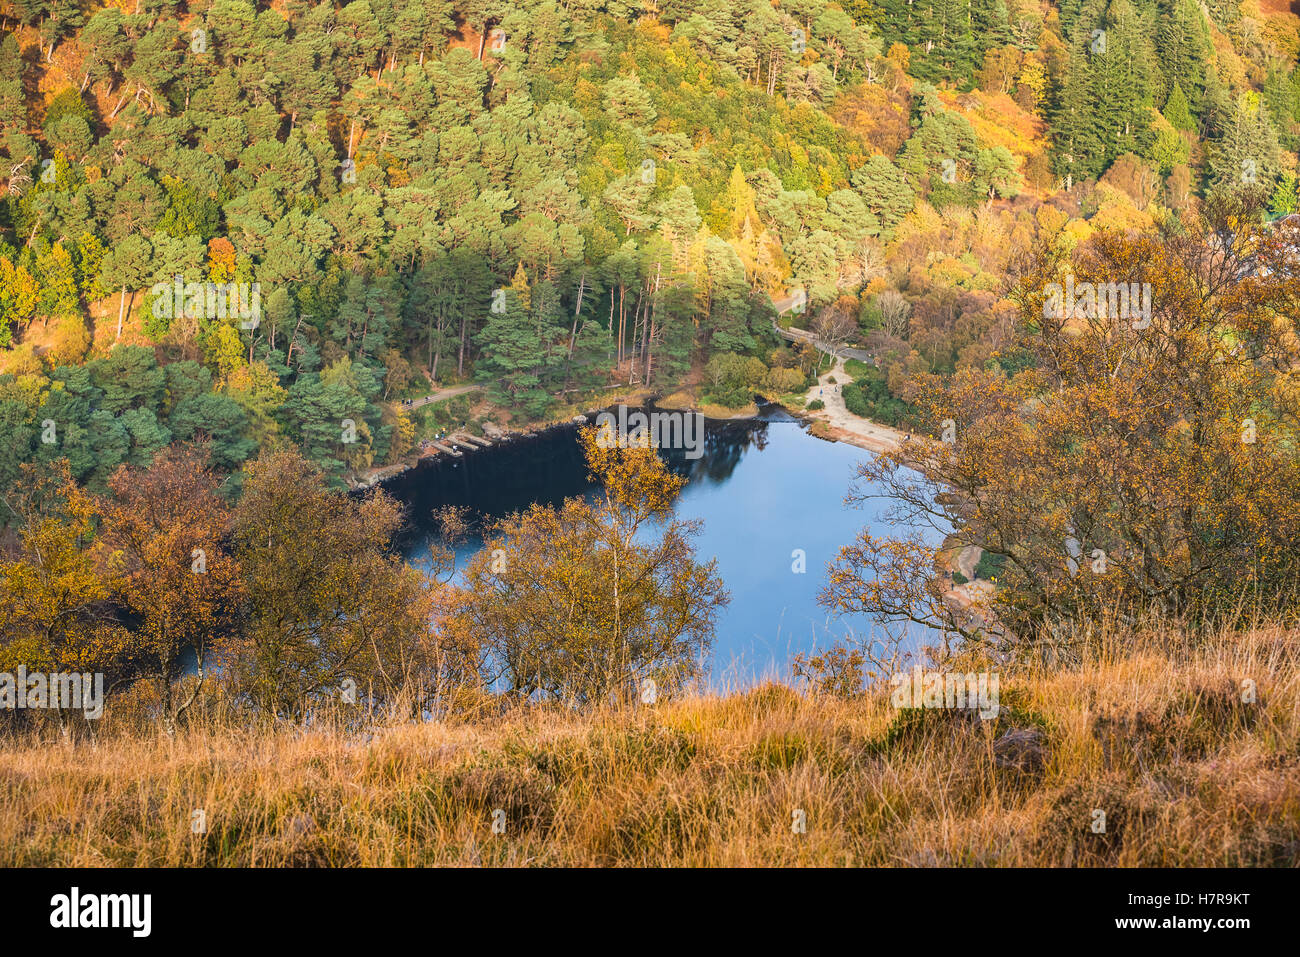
[769, 494]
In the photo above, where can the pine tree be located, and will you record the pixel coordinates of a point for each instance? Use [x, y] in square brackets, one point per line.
[1286, 198]
[1178, 112]
[1074, 141]
[1121, 89]
[1183, 48]
[513, 357]
[1247, 154]
[885, 190]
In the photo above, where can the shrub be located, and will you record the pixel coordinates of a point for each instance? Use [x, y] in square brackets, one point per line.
[989, 566]
[732, 398]
[855, 401]
[732, 379]
[838, 672]
[869, 397]
[779, 381]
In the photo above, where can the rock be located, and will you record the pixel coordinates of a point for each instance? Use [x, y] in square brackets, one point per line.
[1021, 749]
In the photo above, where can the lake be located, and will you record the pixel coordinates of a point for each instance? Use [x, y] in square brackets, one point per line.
[763, 488]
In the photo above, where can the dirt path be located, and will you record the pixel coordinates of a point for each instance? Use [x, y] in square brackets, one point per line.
[441, 394]
[845, 426]
[966, 560]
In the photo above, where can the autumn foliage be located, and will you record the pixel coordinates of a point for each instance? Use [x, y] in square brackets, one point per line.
[579, 603]
[293, 599]
[1139, 464]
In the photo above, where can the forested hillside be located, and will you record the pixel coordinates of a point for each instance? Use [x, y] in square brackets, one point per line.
[551, 198]
[252, 255]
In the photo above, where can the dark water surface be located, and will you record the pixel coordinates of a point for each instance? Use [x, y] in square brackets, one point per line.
[763, 488]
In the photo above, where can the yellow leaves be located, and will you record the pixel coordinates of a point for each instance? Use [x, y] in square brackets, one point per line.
[572, 602]
[221, 259]
[403, 438]
[1078, 231]
[90, 649]
[1118, 212]
[899, 55]
[1050, 219]
[226, 350]
[256, 385]
[520, 286]
[115, 561]
[52, 591]
[632, 474]
[18, 293]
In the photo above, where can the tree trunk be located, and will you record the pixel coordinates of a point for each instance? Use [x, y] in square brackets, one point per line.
[460, 359]
[288, 359]
[577, 311]
[121, 309]
[650, 325]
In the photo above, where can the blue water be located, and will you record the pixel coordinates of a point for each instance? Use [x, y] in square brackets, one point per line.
[762, 490]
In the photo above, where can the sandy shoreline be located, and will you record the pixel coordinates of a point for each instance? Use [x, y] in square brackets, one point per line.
[843, 425]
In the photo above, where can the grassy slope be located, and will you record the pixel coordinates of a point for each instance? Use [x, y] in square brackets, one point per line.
[1156, 738]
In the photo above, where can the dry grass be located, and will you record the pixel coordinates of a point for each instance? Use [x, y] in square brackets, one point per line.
[1157, 738]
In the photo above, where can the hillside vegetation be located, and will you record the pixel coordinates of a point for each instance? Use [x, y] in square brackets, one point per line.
[237, 239]
[553, 199]
[1141, 729]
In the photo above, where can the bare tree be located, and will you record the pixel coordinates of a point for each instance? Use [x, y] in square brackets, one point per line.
[894, 311]
[835, 324]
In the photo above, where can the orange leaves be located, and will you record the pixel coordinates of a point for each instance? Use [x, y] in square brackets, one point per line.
[221, 259]
[1138, 464]
[632, 474]
[170, 566]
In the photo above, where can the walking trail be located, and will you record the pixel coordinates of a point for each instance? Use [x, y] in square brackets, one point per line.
[441, 394]
[844, 425]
